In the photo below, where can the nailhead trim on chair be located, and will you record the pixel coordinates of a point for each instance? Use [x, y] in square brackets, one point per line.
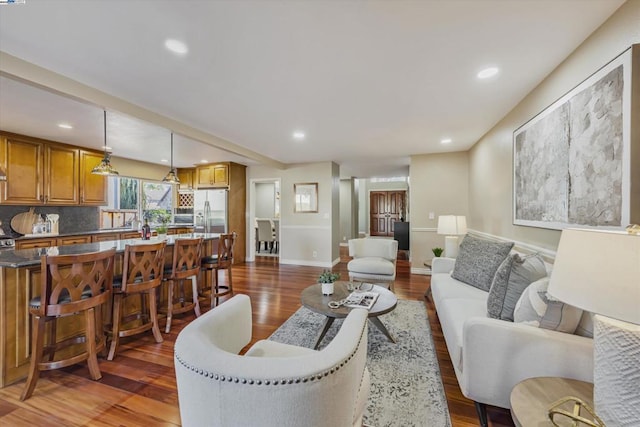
[250, 381]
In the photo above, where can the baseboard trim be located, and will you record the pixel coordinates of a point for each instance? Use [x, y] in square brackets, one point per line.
[421, 271]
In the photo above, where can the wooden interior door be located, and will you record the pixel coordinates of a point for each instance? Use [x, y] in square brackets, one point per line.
[385, 208]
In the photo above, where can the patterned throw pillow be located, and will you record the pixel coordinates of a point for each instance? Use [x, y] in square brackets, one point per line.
[524, 271]
[498, 290]
[536, 308]
[478, 260]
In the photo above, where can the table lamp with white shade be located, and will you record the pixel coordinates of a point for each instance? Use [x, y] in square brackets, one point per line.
[451, 226]
[599, 271]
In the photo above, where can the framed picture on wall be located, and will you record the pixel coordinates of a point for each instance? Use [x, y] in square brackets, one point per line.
[572, 162]
[306, 197]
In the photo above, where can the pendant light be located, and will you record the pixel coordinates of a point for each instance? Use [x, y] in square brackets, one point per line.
[104, 167]
[171, 177]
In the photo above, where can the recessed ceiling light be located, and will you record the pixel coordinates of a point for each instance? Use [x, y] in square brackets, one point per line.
[204, 161]
[445, 141]
[176, 46]
[298, 135]
[65, 126]
[488, 72]
[164, 160]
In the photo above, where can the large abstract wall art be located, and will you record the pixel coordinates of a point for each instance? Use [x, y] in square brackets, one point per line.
[571, 161]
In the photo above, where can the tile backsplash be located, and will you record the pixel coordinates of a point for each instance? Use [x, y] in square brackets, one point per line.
[73, 219]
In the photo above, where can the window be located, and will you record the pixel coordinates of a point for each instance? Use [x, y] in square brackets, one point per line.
[131, 198]
[157, 202]
[128, 194]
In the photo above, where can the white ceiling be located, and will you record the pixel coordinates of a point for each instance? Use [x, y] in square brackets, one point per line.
[369, 82]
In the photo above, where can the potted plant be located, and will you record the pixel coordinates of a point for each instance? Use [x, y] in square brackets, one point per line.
[327, 278]
[163, 217]
[437, 251]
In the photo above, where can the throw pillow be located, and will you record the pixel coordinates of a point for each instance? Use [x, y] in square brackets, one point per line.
[524, 271]
[498, 289]
[535, 307]
[585, 327]
[478, 260]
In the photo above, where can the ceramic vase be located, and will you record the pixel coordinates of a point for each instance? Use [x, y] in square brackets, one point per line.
[327, 288]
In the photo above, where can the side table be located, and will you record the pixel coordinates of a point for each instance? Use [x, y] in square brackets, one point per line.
[531, 398]
[427, 294]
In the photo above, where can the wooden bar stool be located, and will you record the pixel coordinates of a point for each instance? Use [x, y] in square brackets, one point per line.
[187, 254]
[142, 274]
[221, 261]
[70, 285]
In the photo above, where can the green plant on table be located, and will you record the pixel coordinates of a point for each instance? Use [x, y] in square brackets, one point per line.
[437, 251]
[163, 218]
[328, 277]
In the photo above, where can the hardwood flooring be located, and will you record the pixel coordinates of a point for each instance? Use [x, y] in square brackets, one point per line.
[138, 387]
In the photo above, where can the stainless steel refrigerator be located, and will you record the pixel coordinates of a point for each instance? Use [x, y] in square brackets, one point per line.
[210, 211]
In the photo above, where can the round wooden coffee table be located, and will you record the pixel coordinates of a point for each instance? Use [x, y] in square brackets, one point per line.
[313, 299]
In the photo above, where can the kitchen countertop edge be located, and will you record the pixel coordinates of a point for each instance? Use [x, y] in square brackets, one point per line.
[18, 258]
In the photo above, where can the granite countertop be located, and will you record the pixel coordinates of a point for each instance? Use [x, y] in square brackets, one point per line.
[13, 258]
[101, 231]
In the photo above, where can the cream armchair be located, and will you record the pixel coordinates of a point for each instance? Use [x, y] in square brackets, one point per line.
[273, 384]
[374, 259]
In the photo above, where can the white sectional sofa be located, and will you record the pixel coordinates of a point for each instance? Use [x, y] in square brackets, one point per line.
[490, 356]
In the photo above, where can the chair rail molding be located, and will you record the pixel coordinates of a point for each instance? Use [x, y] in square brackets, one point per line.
[547, 254]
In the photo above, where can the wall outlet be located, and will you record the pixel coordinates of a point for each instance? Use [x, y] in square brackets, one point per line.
[315, 254]
[432, 215]
[344, 237]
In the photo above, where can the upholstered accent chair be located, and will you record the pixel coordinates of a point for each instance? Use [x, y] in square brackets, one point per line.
[273, 384]
[374, 260]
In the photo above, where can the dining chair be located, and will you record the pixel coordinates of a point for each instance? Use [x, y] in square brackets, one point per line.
[142, 274]
[187, 254]
[276, 235]
[70, 285]
[223, 260]
[265, 233]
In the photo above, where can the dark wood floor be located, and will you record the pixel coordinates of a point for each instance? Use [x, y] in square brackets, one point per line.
[138, 388]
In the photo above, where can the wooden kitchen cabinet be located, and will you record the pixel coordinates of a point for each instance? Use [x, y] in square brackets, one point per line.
[35, 243]
[61, 166]
[180, 230]
[73, 240]
[212, 176]
[185, 175]
[130, 235]
[40, 172]
[105, 237]
[93, 188]
[24, 164]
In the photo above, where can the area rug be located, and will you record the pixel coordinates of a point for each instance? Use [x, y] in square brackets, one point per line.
[406, 388]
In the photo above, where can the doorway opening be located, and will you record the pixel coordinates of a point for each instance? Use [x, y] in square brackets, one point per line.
[264, 229]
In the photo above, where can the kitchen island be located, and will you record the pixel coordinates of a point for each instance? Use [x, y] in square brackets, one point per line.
[20, 281]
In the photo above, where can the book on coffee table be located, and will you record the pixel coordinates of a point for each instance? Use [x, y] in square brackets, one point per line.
[361, 299]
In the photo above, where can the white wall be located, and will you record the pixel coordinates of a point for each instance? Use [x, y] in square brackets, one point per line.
[439, 185]
[302, 234]
[490, 160]
[265, 200]
[348, 210]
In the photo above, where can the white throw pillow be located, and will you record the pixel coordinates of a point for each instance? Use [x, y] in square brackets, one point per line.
[537, 308]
